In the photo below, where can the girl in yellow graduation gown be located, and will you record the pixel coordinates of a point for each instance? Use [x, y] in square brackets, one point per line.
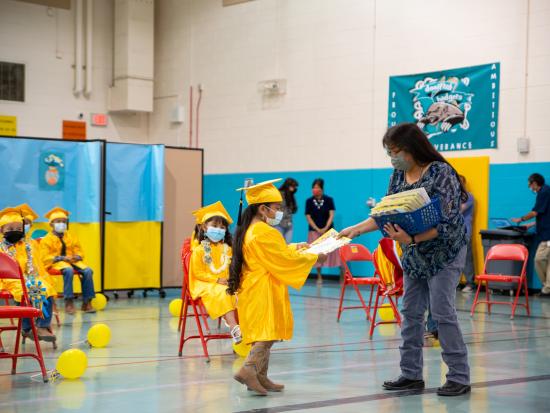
[27, 255]
[263, 268]
[209, 266]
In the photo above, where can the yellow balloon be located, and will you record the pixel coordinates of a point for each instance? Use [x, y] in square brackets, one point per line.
[72, 363]
[242, 349]
[175, 307]
[386, 312]
[99, 302]
[99, 335]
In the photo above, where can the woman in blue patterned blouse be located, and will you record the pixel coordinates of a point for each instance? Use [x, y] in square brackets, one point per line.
[432, 261]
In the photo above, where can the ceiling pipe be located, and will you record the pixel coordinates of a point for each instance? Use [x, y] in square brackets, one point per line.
[89, 46]
[78, 49]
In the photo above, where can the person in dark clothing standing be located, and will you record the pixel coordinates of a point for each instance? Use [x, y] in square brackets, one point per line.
[541, 211]
[320, 217]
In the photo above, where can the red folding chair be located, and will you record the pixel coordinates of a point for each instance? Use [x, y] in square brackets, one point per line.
[185, 257]
[349, 253]
[6, 297]
[198, 311]
[388, 269]
[9, 270]
[504, 252]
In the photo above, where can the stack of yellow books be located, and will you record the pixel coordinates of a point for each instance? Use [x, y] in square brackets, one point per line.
[402, 202]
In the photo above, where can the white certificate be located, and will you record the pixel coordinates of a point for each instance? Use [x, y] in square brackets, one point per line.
[327, 243]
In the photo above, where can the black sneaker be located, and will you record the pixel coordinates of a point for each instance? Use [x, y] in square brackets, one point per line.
[451, 388]
[403, 384]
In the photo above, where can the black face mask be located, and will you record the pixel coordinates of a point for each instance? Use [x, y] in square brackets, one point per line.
[13, 236]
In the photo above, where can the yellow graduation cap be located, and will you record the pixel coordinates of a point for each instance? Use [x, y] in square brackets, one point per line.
[213, 210]
[263, 193]
[27, 212]
[10, 215]
[56, 213]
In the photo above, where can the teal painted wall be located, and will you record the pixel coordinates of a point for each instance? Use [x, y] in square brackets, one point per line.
[508, 196]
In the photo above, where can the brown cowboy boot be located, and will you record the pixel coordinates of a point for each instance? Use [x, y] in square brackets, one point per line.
[248, 374]
[69, 306]
[262, 373]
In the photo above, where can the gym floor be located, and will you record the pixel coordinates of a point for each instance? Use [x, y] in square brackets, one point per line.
[327, 367]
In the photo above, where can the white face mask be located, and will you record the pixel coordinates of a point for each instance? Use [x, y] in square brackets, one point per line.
[60, 227]
[277, 220]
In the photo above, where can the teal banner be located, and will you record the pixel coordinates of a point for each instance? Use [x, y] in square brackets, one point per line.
[456, 108]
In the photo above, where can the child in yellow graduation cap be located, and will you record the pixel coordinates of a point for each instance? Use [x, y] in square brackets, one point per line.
[29, 216]
[262, 269]
[209, 266]
[61, 251]
[27, 254]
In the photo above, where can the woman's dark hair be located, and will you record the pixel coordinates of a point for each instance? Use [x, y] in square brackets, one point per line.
[201, 235]
[237, 261]
[320, 182]
[288, 196]
[410, 138]
[538, 178]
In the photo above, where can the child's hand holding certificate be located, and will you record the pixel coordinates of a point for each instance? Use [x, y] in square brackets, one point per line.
[327, 243]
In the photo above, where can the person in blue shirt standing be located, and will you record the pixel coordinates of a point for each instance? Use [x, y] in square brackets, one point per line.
[541, 211]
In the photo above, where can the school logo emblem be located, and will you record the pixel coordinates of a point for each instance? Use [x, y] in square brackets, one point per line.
[457, 108]
[52, 171]
[442, 105]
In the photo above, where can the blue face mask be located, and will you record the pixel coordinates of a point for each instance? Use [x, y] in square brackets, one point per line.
[215, 234]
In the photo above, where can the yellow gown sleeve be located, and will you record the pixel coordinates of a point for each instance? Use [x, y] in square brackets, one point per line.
[39, 262]
[76, 248]
[197, 268]
[47, 251]
[282, 261]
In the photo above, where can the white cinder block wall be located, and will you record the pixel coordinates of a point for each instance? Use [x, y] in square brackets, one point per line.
[43, 39]
[336, 56]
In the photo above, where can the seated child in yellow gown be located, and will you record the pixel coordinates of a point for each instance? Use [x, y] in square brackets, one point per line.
[27, 254]
[209, 266]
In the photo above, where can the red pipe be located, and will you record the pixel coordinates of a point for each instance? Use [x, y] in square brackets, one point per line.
[197, 117]
[190, 116]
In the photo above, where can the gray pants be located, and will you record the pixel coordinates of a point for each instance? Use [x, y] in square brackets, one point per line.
[440, 290]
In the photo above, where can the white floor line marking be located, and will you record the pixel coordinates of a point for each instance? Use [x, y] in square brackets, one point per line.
[199, 382]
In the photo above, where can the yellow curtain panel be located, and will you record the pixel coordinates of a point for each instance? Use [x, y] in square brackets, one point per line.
[476, 172]
[132, 255]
